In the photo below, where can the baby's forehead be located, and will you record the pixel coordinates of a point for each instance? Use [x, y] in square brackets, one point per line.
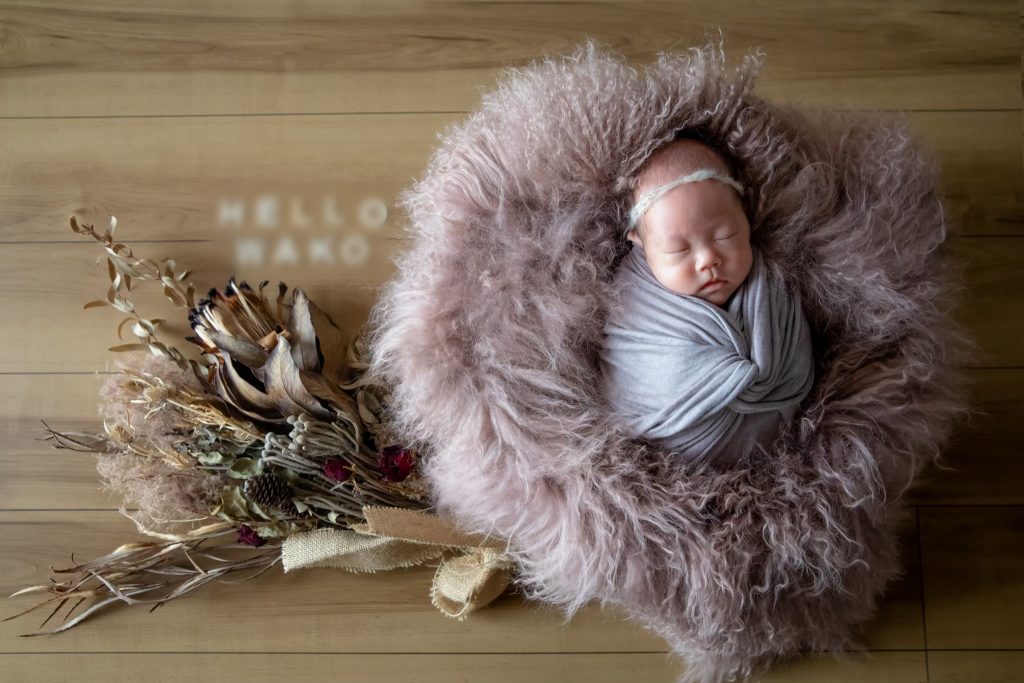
[667, 227]
[677, 158]
[708, 201]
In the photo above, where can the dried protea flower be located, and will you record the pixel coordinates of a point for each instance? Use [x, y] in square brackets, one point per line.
[273, 360]
[240, 312]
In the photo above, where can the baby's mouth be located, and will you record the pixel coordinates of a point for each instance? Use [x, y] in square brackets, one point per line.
[712, 283]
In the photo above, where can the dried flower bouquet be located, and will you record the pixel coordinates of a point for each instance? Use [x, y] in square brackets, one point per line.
[271, 447]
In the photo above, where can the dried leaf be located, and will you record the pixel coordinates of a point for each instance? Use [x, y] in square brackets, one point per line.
[269, 341]
[94, 304]
[373, 405]
[243, 468]
[266, 343]
[203, 374]
[233, 505]
[368, 406]
[128, 347]
[253, 355]
[221, 318]
[121, 326]
[249, 395]
[213, 458]
[332, 344]
[243, 301]
[300, 324]
[141, 329]
[285, 387]
[282, 308]
[115, 251]
[223, 389]
[326, 389]
[174, 296]
[123, 305]
[81, 617]
[158, 349]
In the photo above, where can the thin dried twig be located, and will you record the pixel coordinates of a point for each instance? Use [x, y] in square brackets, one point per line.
[98, 444]
[137, 569]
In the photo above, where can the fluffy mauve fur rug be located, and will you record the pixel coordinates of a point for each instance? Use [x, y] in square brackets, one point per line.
[487, 338]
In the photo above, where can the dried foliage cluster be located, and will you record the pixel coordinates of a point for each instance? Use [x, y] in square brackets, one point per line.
[272, 431]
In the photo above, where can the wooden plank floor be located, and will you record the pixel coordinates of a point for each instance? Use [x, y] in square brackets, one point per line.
[258, 137]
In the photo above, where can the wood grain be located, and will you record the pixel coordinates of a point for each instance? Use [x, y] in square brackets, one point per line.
[116, 58]
[975, 665]
[973, 571]
[596, 667]
[198, 178]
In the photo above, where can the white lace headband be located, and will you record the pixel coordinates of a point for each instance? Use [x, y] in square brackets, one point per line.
[648, 198]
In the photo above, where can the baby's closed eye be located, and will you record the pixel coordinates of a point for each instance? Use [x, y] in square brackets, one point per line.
[686, 249]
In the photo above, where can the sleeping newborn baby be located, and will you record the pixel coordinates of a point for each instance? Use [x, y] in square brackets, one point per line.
[705, 351]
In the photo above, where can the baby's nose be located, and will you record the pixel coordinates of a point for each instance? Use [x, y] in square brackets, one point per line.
[709, 258]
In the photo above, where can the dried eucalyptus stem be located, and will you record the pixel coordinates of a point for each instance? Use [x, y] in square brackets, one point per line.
[122, 267]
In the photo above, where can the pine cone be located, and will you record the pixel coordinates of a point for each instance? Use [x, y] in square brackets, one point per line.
[268, 490]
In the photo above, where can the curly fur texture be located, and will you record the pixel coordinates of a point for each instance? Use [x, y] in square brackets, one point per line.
[488, 336]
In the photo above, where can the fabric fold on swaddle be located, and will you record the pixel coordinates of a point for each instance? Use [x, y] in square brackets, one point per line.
[701, 380]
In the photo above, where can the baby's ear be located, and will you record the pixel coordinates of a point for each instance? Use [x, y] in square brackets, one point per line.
[633, 237]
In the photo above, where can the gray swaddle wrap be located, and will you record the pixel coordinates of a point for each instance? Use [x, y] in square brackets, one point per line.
[704, 381]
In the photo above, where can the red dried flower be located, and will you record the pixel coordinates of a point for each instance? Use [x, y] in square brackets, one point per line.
[336, 469]
[395, 462]
[246, 534]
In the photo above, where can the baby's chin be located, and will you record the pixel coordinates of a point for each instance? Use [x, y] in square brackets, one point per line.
[716, 300]
[718, 297]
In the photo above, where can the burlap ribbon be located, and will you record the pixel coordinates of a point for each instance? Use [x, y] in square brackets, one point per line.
[397, 537]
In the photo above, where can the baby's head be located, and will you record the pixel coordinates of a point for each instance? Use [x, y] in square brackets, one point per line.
[696, 231]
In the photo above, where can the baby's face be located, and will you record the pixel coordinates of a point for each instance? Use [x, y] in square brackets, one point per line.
[695, 233]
